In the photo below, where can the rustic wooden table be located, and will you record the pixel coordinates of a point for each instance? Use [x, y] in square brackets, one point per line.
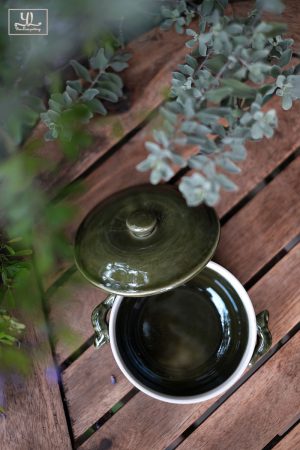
[260, 244]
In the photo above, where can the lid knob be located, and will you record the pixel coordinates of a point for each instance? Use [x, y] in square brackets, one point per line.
[141, 223]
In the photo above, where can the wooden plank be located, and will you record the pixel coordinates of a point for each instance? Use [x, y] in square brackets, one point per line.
[265, 156]
[169, 421]
[34, 412]
[291, 441]
[145, 82]
[263, 227]
[88, 382]
[71, 307]
[267, 402]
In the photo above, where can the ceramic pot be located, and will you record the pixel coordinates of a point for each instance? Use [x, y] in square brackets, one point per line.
[182, 329]
[203, 365]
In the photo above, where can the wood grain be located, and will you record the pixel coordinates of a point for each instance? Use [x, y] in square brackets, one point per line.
[169, 421]
[291, 441]
[267, 402]
[263, 227]
[35, 417]
[89, 391]
[145, 80]
[264, 156]
[71, 307]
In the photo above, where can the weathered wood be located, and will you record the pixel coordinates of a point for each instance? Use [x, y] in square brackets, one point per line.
[145, 80]
[71, 308]
[291, 441]
[35, 417]
[88, 383]
[263, 227]
[168, 421]
[265, 156]
[267, 402]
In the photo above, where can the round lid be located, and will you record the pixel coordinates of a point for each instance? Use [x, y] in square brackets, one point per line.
[145, 240]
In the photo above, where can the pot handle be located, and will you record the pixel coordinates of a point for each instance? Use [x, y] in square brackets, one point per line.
[264, 337]
[99, 321]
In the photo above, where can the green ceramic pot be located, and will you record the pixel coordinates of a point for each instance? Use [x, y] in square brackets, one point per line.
[190, 331]
[186, 345]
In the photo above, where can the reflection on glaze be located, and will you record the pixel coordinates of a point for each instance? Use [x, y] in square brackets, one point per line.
[122, 276]
[224, 319]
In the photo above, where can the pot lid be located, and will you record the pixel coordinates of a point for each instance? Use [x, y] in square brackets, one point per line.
[145, 240]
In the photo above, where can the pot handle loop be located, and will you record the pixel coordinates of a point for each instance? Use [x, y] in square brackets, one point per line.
[264, 337]
[99, 321]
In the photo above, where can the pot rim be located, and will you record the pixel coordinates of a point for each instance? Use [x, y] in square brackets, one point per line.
[252, 336]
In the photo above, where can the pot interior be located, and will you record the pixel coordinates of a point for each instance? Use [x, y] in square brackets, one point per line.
[186, 341]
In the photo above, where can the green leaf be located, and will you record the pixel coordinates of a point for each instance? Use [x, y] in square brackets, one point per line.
[75, 84]
[217, 95]
[99, 61]
[118, 66]
[186, 69]
[72, 92]
[190, 43]
[275, 71]
[191, 61]
[226, 183]
[89, 94]
[287, 102]
[24, 252]
[54, 106]
[239, 89]
[272, 6]
[215, 63]
[80, 70]
[105, 94]
[285, 57]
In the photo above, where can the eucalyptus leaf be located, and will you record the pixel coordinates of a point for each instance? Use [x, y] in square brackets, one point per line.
[80, 70]
[89, 94]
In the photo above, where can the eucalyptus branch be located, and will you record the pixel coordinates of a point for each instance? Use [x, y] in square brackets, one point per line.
[84, 97]
[213, 107]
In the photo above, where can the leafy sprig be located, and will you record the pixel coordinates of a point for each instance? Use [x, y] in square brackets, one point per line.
[84, 96]
[179, 17]
[217, 100]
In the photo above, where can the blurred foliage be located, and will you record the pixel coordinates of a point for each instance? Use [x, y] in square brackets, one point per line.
[33, 71]
[218, 96]
[83, 98]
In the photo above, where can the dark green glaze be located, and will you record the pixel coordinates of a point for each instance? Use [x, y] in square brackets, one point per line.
[186, 341]
[264, 337]
[99, 321]
[145, 240]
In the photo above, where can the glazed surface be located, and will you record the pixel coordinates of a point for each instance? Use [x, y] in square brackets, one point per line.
[186, 341]
[179, 241]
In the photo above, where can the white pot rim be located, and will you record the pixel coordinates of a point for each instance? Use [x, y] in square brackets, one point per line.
[252, 336]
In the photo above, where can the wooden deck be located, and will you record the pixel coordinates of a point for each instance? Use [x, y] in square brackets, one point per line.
[260, 244]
